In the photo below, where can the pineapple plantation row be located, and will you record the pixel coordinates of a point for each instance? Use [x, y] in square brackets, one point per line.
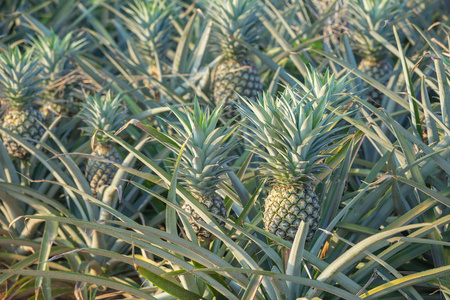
[225, 149]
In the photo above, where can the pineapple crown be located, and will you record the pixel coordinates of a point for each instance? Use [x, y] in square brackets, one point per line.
[235, 20]
[326, 85]
[291, 133]
[372, 15]
[208, 144]
[19, 77]
[102, 113]
[53, 51]
[150, 21]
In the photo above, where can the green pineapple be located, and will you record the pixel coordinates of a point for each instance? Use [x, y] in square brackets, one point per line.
[336, 21]
[102, 113]
[19, 89]
[291, 134]
[235, 74]
[203, 161]
[60, 75]
[371, 15]
[150, 22]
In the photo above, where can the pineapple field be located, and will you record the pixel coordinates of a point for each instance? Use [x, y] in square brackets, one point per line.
[225, 149]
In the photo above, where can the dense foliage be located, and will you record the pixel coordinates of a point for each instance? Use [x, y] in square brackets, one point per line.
[225, 149]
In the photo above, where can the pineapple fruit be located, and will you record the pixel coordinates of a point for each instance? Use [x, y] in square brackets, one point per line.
[371, 15]
[150, 22]
[291, 133]
[58, 72]
[235, 73]
[102, 113]
[336, 21]
[20, 86]
[203, 161]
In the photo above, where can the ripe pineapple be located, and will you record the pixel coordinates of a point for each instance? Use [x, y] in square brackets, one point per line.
[60, 75]
[19, 89]
[204, 160]
[291, 133]
[150, 21]
[102, 113]
[371, 15]
[235, 73]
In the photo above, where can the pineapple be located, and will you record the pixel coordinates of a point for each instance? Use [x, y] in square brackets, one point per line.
[59, 73]
[235, 74]
[371, 15]
[102, 113]
[19, 89]
[150, 22]
[203, 161]
[291, 134]
[335, 23]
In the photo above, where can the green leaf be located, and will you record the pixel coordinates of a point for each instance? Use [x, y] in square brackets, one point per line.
[406, 281]
[75, 277]
[168, 286]
[357, 252]
[294, 262]
[44, 284]
[252, 288]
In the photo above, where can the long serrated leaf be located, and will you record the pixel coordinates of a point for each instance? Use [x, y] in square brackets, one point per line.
[356, 252]
[252, 288]
[303, 281]
[168, 286]
[406, 281]
[43, 285]
[294, 262]
[75, 276]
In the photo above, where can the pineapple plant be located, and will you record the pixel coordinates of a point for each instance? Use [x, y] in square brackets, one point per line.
[235, 74]
[102, 113]
[60, 75]
[336, 22]
[372, 15]
[20, 87]
[291, 134]
[150, 22]
[204, 160]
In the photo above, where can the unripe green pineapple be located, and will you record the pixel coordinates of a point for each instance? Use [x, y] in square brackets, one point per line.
[286, 206]
[235, 74]
[203, 161]
[107, 114]
[335, 23]
[372, 15]
[151, 23]
[214, 204]
[60, 74]
[99, 173]
[380, 71]
[292, 133]
[19, 89]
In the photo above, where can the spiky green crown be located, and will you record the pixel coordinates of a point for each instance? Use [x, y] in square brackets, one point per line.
[291, 133]
[235, 20]
[326, 85]
[372, 15]
[53, 53]
[102, 113]
[19, 77]
[208, 144]
[150, 21]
